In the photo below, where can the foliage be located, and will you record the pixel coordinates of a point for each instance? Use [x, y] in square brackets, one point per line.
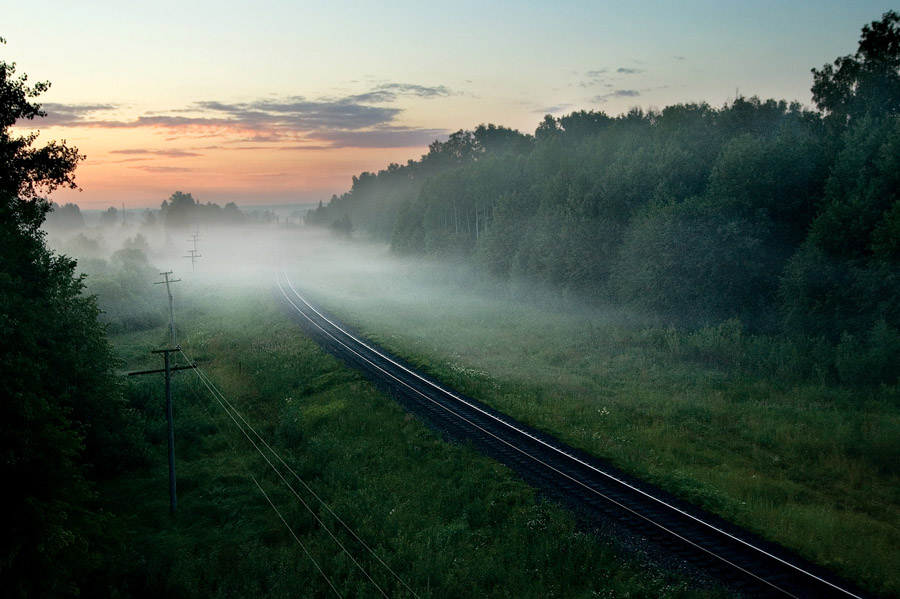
[62, 419]
[867, 82]
[690, 259]
[124, 288]
[759, 210]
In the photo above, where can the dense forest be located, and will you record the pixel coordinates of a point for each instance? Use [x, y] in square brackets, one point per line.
[783, 219]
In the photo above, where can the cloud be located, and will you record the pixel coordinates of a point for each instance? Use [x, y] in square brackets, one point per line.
[62, 115]
[619, 93]
[554, 109]
[628, 71]
[390, 92]
[387, 137]
[593, 78]
[163, 169]
[284, 117]
[172, 153]
[360, 120]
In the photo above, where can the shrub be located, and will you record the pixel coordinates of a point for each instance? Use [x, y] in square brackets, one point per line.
[871, 362]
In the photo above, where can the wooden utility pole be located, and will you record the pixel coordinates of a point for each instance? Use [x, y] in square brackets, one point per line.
[171, 309]
[170, 420]
[194, 253]
[193, 256]
[195, 237]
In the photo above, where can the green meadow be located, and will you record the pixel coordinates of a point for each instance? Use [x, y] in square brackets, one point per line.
[436, 519]
[748, 427]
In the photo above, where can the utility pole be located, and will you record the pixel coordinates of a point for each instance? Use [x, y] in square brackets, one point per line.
[170, 421]
[195, 237]
[193, 256]
[171, 309]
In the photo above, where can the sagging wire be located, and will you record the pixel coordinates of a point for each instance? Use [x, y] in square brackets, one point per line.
[232, 411]
[327, 507]
[253, 478]
[293, 534]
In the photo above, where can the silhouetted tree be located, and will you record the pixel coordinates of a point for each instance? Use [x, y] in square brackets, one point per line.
[867, 82]
[232, 215]
[110, 217]
[181, 211]
[61, 411]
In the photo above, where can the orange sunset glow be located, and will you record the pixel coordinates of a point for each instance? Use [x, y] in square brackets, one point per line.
[287, 102]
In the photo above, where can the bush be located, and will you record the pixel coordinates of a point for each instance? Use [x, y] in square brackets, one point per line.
[691, 264]
[871, 362]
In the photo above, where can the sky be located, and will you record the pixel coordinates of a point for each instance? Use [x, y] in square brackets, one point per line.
[278, 101]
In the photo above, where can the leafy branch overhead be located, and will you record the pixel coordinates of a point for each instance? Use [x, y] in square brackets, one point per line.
[28, 171]
[867, 82]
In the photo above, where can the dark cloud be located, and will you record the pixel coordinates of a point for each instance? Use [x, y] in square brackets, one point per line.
[628, 71]
[59, 115]
[297, 114]
[360, 120]
[390, 92]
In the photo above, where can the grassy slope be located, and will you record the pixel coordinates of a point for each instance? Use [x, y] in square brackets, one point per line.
[448, 521]
[816, 468]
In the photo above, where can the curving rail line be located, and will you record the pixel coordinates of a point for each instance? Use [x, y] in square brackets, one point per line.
[592, 488]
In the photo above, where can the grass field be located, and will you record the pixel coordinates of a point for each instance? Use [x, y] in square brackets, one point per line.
[738, 424]
[447, 521]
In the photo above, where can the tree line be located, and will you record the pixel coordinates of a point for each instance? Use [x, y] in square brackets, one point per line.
[179, 211]
[784, 218]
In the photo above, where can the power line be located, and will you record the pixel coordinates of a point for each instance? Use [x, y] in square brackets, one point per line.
[222, 399]
[223, 402]
[253, 478]
[293, 534]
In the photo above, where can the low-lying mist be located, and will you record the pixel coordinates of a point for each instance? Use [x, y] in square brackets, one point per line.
[446, 309]
[359, 276]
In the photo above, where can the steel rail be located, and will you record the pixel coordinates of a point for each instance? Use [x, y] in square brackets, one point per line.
[359, 343]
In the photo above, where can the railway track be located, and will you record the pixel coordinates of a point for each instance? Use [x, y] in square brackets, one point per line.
[593, 489]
